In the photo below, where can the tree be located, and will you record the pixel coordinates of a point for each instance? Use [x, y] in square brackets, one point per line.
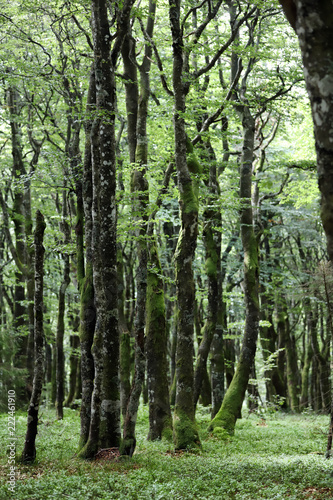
[105, 417]
[313, 23]
[29, 452]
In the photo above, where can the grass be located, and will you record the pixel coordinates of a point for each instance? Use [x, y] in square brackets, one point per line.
[281, 457]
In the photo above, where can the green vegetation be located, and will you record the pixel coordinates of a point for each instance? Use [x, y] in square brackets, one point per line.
[271, 456]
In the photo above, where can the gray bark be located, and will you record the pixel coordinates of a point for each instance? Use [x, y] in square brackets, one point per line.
[29, 452]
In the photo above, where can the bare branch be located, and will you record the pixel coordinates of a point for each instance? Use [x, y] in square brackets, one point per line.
[158, 59]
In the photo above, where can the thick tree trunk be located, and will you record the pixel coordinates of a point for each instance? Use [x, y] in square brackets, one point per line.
[233, 400]
[104, 427]
[105, 274]
[29, 452]
[313, 23]
[185, 432]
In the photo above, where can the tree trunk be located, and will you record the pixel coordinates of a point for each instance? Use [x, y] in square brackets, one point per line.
[160, 424]
[291, 354]
[73, 369]
[140, 186]
[29, 452]
[125, 338]
[87, 307]
[104, 427]
[233, 400]
[212, 242]
[18, 216]
[60, 358]
[313, 23]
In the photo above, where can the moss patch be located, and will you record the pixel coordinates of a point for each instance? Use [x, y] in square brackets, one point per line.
[185, 433]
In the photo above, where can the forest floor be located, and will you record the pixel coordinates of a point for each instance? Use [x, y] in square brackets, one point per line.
[271, 456]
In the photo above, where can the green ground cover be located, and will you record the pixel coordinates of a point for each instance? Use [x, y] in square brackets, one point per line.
[278, 457]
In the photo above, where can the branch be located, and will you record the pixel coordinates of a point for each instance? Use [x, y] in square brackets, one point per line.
[274, 195]
[158, 59]
[224, 47]
[189, 13]
[83, 31]
[10, 243]
[212, 118]
[163, 190]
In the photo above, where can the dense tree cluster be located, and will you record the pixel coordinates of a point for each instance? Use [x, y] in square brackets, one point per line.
[169, 148]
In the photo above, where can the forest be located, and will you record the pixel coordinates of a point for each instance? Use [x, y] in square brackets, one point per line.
[166, 239]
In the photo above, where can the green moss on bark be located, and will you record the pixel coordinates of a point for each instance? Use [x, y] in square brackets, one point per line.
[226, 417]
[186, 436]
[88, 451]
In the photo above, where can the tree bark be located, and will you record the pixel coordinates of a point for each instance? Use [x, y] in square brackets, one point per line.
[60, 358]
[185, 433]
[104, 427]
[140, 187]
[73, 369]
[160, 424]
[233, 400]
[212, 242]
[87, 307]
[313, 23]
[29, 452]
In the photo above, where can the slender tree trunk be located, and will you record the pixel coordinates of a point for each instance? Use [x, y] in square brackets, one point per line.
[29, 452]
[87, 309]
[160, 424]
[140, 186]
[291, 354]
[73, 369]
[60, 358]
[305, 400]
[18, 215]
[125, 338]
[233, 400]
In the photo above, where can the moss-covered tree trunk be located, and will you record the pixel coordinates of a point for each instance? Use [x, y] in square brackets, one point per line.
[185, 431]
[125, 337]
[212, 242]
[29, 451]
[74, 359]
[87, 306]
[160, 424]
[104, 427]
[60, 357]
[233, 399]
[140, 188]
[283, 327]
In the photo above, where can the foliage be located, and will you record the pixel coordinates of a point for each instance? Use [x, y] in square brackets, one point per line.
[279, 457]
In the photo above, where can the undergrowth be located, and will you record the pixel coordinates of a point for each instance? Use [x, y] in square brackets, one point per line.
[273, 456]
